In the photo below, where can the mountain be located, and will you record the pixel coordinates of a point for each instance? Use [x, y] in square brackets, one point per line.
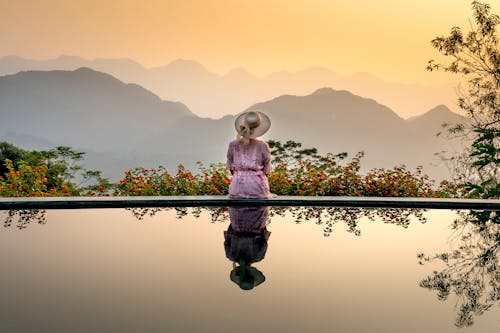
[328, 117]
[212, 95]
[336, 121]
[440, 117]
[84, 109]
[124, 125]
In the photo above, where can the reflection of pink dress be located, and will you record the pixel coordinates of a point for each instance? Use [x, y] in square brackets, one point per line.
[248, 219]
[250, 165]
[246, 237]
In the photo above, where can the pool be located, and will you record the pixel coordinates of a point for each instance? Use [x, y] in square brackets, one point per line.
[249, 269]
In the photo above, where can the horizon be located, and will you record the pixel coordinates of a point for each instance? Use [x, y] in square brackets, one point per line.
[222, 74]
[310, 93]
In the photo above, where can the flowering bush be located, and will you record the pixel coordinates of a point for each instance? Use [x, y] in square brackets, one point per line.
[296, 171]
[56, 172]
[28, 181]
[209, 181]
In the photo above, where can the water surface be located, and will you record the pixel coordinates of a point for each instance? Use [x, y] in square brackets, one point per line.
[116, 270]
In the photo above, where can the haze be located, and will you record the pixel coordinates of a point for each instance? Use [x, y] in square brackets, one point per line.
[387, 38]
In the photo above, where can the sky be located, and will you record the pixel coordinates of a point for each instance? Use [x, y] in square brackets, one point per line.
[387, 38]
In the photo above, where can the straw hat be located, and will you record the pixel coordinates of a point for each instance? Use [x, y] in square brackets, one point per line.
[247, 277]
[252, 124]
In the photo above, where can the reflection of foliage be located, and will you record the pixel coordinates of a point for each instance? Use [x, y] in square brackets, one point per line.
[326, 216]
[218, 214]
[471, 270]
[329, 216]
[22, 218]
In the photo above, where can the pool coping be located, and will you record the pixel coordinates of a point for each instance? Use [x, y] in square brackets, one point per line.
[224, 201]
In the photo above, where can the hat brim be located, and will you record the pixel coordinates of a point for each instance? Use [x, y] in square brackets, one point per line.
[257, 275]
[265, 124]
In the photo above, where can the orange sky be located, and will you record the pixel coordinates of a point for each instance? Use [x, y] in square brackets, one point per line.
[389, 38]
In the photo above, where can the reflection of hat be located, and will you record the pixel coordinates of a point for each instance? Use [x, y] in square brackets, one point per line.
[246, 248]
[247, 277]
[252, 124]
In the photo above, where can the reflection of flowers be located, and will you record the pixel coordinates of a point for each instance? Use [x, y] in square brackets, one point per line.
[471, 271]
[22, 218]
[329, 216]
[325, 216]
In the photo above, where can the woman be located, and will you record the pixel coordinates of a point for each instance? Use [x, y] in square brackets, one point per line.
[249, 159]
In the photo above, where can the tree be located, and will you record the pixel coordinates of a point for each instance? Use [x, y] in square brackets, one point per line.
[9, 152]
[63, 168]
[475, 56]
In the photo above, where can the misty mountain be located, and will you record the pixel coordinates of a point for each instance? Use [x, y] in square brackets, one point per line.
[435, 120]
[82, 106]
[121, 126]
[337, 121]
[212, 95]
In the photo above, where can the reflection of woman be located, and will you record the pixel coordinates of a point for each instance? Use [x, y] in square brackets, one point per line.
[249, 159]
[245, 243]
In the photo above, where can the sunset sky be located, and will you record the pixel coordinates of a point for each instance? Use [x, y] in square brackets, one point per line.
[388, 38]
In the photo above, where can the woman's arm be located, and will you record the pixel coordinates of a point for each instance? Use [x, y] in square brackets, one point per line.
[229, 161]
[266, 160]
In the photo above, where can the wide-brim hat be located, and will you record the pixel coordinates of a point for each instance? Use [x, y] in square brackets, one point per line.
[253, 279]
[261, 129]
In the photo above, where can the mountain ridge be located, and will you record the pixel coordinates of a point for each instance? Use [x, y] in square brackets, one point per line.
[214, 95]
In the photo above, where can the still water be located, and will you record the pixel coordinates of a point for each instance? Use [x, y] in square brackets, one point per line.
[249, 270]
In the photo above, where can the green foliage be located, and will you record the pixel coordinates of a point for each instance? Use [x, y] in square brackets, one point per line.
[9, 152]
[485, 149]
[60, 167]
[290, 152]
[487, 156]
[475, 56]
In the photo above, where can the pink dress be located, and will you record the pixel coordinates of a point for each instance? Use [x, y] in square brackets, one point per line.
[250, 165]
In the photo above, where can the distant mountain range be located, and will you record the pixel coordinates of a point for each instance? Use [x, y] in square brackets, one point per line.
[124, 125]
[212, 95]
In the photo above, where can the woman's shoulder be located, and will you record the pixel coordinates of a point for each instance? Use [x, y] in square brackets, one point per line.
[254, 142]
[260, 142]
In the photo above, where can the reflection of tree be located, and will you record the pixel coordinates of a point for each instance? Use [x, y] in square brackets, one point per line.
[218, 214]
[22, 218]
[471, 271]
[329, 216]
[326, 216]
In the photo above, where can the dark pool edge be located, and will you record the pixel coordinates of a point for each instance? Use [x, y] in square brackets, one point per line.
[213, 201]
